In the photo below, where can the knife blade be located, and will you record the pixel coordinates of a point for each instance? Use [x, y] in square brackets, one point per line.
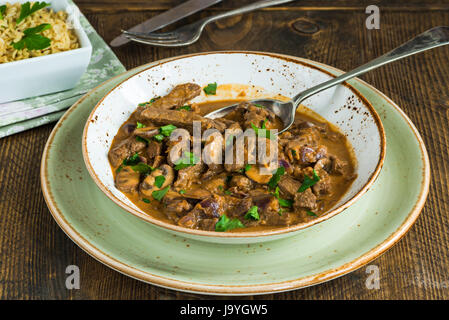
[164, 19]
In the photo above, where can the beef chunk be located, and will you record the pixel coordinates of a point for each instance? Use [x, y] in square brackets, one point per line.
[338, 166]
[323, 186]
[216, 185]
[208, 224]
[178, 96]
[180, 119]
[124, 149]
[213, 170]
[127, 180]
[241, 183]
[241, 207]
[189, 175]
[289, 186]
[154, 149]
[305, 200]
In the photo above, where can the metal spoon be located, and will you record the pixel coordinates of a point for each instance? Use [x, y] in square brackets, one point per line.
[430, 39]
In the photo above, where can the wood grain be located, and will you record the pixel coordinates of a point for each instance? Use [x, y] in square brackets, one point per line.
[34, 252]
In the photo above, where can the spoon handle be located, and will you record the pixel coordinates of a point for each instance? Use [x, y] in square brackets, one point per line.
[438, 36]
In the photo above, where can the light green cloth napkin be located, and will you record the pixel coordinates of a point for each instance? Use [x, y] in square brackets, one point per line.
[29, 113]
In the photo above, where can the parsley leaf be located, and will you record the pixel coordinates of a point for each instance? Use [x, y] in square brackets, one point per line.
[262, 132]
[159, 137]
[140, 125]
[309, 182]
[188, 160]
[211, 89]
[167, 130]
[131, 161]
[32, 40]
[186, 107]
[149, 103]
[259, 106]
[2, 11]
[225, 224]
[252, 213]
[159, 194]
[146, 200]
[276, 177]
[282, 202]
[182, 191]
[310, 213]
[142, 168]
[159, 181]
[27, 10]
[247, 167]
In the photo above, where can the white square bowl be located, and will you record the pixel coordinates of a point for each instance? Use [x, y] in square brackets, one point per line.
[46, 74]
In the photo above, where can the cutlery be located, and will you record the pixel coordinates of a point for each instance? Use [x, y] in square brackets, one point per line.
[170, 16]
[189, 34]
[438, 36]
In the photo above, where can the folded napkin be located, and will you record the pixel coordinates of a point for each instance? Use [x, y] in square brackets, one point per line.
[29, 113]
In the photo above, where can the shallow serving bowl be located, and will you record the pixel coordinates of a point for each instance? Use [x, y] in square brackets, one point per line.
[271, 74]
[50, 73]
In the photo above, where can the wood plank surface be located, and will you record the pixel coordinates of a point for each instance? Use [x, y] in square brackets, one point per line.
[34, 252]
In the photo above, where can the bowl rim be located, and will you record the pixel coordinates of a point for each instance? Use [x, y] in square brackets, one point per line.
[240, 235]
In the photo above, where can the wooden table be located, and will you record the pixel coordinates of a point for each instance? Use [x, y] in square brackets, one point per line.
[34, 252]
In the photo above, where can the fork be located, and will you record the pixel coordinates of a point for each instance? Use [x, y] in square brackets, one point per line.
[190, 33]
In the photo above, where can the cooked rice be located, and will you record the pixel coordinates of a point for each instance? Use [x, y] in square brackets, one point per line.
[62, 38]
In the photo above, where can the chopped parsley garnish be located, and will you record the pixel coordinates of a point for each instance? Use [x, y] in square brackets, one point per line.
[259, 106]
[159, 194]
[276, 177]
[32, 40]
[220, 188]
[149, 103]
[159, 137]
[282, 202]
[262, 132]
[131, 161]
[186, 107]
[227, 192]
[146, 200]
[27, 10]
[309, 182]
[140, 139]
[159, 181]
[280, 211]
[188, 160]
[310, 213]
[293, 152]
[225, 224]
[2, 11]
[139, 125]
[165, 131]
[142, 168]
[247, 167]
[252, 213]
[211, 89]
[182, 191]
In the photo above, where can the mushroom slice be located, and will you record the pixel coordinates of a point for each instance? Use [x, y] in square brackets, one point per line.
[146, 132]
[127, 180]
[197, 194]
[254, 174]
[148, 184]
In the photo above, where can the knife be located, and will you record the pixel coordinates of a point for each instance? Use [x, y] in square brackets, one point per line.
[170, 16]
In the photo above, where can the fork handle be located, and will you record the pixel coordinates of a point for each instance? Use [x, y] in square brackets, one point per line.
[438, 36]
[251, 7]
